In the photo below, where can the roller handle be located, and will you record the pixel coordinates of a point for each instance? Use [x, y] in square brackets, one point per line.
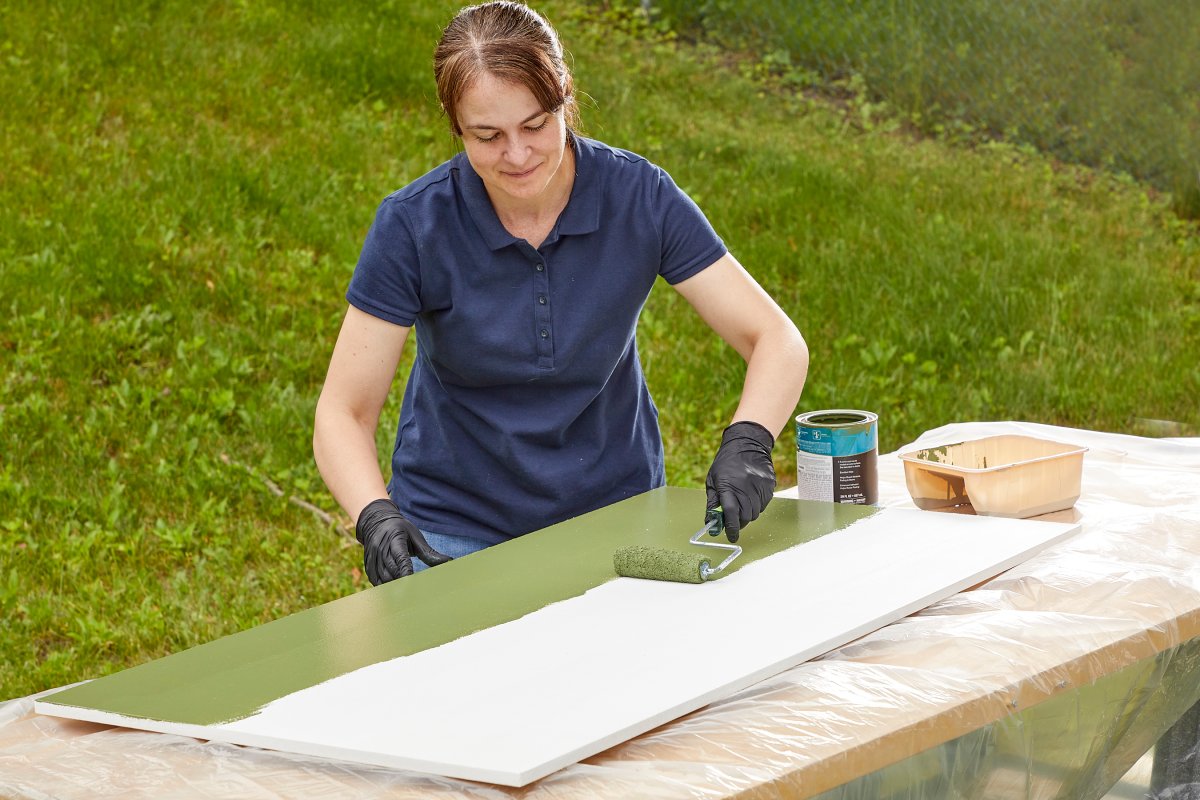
[714, 521]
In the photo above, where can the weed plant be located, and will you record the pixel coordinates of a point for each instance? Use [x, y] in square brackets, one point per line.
[185, 189]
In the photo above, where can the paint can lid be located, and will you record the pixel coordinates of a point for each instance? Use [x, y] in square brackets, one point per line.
[836, 418]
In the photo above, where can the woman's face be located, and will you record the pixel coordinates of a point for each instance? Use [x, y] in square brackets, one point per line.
[515, 146]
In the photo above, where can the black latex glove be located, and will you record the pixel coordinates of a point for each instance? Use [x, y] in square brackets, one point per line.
[390, 541]
[742, 477]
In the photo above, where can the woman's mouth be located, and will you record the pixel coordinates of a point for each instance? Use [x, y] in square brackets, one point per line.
[519, 175]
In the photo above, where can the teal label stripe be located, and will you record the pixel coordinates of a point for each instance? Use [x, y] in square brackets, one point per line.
[233, 677]
[837, 442]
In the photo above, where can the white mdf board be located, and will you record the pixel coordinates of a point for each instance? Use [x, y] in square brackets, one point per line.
[513, 703]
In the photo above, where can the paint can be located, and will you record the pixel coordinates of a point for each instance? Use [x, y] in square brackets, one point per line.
[836, 456]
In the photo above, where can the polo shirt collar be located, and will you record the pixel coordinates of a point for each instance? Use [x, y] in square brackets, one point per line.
[582, 214]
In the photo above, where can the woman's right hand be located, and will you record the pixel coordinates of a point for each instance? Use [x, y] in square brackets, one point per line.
[390, 541]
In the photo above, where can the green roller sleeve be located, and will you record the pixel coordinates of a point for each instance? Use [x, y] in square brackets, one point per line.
[656, 563]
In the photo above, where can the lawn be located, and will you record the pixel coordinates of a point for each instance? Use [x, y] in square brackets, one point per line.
[185, 189]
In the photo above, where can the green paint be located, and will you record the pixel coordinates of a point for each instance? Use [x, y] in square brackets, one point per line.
[937, 455]
[233, 677]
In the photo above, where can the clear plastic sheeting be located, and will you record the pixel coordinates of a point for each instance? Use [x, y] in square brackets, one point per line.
[1049, 681]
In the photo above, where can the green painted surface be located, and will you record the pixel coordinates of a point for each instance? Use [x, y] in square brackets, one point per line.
[234, 676]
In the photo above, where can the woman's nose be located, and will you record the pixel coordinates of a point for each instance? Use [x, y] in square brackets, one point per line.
[517, 150]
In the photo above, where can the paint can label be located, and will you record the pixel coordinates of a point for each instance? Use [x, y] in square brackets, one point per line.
[836, 456]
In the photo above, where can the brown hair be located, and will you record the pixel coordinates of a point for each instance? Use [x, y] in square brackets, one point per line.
[509, 41]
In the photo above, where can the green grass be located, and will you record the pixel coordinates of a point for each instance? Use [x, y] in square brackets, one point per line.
[185, 188]
[1101, 82]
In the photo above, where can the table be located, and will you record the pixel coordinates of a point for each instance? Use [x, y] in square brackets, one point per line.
[1049, 680]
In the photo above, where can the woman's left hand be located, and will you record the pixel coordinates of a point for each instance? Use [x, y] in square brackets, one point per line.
[741, 479]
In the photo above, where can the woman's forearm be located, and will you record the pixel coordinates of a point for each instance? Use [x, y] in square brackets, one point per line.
[356, 388]
[347, 459]
[775, 373]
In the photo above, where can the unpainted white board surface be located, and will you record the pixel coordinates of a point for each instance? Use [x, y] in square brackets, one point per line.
[516, 702]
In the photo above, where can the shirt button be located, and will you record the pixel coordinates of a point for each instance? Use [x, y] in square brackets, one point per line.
[540, 266]
[542, 299]
[545, 333]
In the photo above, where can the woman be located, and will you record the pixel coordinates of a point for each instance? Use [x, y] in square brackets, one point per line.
[522, 265]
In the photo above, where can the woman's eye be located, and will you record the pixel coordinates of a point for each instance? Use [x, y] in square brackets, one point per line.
[531, 128]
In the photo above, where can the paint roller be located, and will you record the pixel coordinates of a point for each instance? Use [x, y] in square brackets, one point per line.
[660, 564]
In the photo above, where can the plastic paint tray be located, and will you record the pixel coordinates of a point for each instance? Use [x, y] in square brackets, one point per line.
[998, 476]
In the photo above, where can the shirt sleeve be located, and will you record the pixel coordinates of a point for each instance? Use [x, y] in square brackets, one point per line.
[387, 280]
[689, 243]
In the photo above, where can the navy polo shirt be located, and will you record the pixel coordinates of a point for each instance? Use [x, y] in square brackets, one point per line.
[526, 404]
